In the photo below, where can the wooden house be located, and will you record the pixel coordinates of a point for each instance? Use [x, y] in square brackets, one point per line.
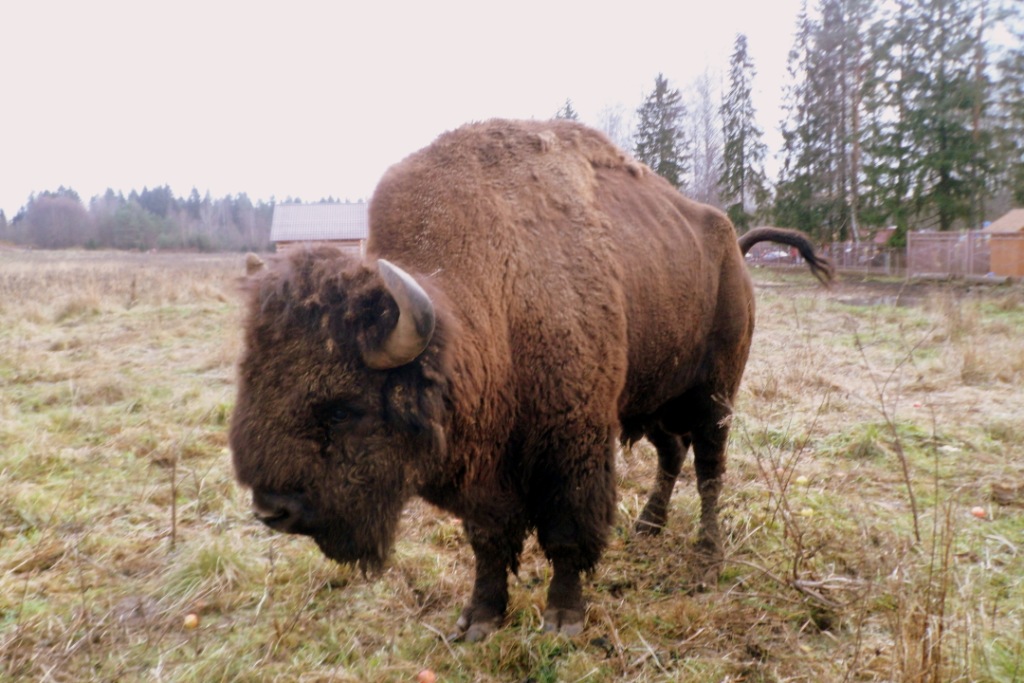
[1006, 244]
[343, 225]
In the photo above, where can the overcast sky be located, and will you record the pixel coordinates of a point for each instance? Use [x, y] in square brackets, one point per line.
[314, 99]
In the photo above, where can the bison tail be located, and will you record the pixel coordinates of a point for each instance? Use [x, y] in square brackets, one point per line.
[820, 266]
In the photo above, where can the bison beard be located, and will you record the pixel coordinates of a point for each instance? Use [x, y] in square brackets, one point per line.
[529, 297]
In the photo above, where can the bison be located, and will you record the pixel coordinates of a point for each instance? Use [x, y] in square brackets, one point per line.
[530, 295]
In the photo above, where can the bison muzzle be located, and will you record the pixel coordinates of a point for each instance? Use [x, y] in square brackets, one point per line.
[530, 297]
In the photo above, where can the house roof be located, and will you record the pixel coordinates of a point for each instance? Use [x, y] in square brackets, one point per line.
[883, 235]
[1012, 221]
[319, 222]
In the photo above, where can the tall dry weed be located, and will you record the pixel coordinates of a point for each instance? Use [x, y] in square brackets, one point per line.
[958, 317]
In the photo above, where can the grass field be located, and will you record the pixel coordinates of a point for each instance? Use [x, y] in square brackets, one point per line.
[873, 511]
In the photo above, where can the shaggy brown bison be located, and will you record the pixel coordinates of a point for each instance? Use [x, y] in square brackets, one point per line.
[530, 295]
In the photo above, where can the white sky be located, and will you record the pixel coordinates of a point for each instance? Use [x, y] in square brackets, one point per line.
[309, 99]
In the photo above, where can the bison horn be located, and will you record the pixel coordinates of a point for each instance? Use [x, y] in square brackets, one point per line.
[415, 325]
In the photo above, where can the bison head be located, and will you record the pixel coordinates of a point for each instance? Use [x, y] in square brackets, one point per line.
[339, 405]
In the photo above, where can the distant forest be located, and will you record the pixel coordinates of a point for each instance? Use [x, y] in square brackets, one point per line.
[902, 113]
[150, 219]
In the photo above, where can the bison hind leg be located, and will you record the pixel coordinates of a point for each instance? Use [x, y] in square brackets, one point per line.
[709, 464]
[671, 455]
[703, 416]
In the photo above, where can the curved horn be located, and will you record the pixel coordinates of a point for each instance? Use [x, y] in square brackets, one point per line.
[415, 325]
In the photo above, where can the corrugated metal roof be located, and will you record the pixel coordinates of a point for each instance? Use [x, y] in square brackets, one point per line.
[1012, 221]
[319, 222]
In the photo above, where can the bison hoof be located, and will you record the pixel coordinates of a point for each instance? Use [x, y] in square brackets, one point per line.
[567, 622]
[652, 520]
[646, 526]
[473, 630]
[708, 567]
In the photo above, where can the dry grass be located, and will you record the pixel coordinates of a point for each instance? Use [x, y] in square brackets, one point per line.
[119, 516]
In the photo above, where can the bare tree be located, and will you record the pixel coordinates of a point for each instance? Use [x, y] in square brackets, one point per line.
[706, 137]
[56, 220]
[615, 122]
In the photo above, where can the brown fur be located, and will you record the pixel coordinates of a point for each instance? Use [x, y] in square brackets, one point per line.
[579, 299]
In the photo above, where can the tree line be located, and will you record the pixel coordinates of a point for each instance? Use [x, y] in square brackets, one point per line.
[903, 113]
[151, 219]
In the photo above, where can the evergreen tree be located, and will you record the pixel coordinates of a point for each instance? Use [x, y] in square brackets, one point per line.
[796, 189]
[567, 112]
[952, 165]
[660, 140]
[131, 227]
[743, 183]
[930, 148]
[1009, 112]
[159, 201]
[889, 146]
[820, 183]
[193, 204]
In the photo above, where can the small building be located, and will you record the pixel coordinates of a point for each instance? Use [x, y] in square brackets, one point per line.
[882, 236]
[342, 225]
[1006, 244]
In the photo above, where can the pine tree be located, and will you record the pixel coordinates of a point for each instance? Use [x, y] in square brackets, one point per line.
[820, 184]
[567, 112]
[930, 151]
[743, 183]
[795, 191]
[952, 165]
[661, 135]
[889, 144]
[1009, 113]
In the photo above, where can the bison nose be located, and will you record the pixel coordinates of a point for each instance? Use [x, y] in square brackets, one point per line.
[280, 511]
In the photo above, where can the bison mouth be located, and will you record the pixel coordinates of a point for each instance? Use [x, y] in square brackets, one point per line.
[337, 539]
[352, 548]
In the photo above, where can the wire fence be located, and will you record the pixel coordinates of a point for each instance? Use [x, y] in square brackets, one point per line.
[867, 258]
[945, 254]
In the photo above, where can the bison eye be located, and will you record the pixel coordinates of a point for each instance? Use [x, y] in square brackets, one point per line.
[334, 413]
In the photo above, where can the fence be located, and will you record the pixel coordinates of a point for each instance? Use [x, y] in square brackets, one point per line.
[944, 254]
[928, 254]
[867, 257]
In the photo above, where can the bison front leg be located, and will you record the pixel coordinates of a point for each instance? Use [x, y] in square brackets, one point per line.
[566, 608]
[573, 531]
[496, 553]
